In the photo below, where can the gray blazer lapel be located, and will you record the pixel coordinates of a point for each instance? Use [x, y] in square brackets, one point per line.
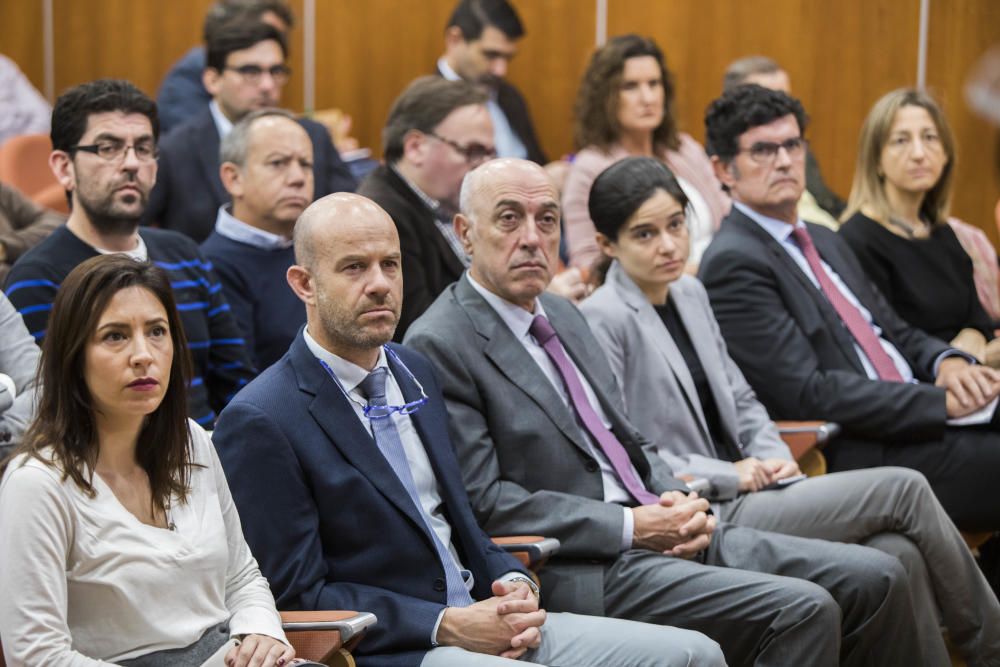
[664, 344]
[693, 317]
[514, 362]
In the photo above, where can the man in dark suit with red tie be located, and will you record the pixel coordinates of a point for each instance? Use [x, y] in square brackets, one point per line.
[818, 341]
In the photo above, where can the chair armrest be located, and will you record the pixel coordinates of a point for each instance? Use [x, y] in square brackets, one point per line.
[321, 635]
[532, 550]
[348, 623]
[802, 436]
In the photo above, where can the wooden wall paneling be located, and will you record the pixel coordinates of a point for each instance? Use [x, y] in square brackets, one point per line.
[960, 31]
[21, 38]
[840, 56]
[139, 40]
[551, 59]
[367, 52]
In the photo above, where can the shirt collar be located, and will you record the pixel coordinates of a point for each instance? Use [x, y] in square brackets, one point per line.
[517, 319]
[432, 204]
[139, 253]
[237, 230]
[222, 124]
[450, 74]
[349, 374]
[779, 229]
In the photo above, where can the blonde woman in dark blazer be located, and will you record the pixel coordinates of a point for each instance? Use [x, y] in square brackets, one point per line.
[688, 396]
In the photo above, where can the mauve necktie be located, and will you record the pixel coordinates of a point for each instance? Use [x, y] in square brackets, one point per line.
[389, 443]
[849, 315]
[543, 332]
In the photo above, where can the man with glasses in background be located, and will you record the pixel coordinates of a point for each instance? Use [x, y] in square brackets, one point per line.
[104, 154]
[436, 132]
[245, 71]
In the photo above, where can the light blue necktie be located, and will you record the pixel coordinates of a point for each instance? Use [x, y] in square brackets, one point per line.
[389, 443]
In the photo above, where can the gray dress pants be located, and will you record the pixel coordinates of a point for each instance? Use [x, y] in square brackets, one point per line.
[775, 600]
[893, 510]
[570, 640]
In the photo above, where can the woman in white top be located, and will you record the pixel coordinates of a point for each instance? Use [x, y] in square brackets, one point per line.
[119, 540]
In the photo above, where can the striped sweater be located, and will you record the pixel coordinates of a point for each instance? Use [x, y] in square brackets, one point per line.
[219, 356]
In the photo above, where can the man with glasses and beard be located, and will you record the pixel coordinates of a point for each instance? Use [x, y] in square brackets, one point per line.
[104, 154]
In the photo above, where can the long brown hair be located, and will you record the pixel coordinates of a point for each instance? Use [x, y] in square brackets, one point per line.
[596, 109]
[64, 421]
[868, 189]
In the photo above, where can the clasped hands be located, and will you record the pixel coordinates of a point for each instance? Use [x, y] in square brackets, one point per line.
[968, 387]
[507, 624]
[756, 474]
[679, 525]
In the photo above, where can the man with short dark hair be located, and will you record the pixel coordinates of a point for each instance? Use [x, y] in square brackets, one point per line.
[366, 509]
[546, 448]
[818, 341]
[182, 94]
[267, 171]
[818, 202]
[436, 131]
[245, 70]
[104, 153]
[480, 41]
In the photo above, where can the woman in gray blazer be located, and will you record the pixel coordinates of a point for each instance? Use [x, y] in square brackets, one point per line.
[684, 392]
[657, 327]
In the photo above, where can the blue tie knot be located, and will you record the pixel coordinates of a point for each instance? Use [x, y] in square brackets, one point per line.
[373, 386]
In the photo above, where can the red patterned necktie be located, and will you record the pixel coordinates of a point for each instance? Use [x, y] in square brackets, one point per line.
[849, 314]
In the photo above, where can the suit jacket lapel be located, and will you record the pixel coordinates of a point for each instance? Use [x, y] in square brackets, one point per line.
[513, 361]
[693, 318]
[664, 344]
[207, 146]
[831, 320]
[333, 412]
[428, 217]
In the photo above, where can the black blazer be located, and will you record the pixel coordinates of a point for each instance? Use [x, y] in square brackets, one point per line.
[189, 191]
[336, 528]
[429, 263]
[795, 351]
[516, 109]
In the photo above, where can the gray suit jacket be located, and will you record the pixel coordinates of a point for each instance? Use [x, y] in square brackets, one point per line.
[660, 396]
[18, 361]
[525, 463]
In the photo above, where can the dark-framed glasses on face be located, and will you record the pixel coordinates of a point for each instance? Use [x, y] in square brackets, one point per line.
[113, 150]
[473, 153]
[253, 73]
[764, 152]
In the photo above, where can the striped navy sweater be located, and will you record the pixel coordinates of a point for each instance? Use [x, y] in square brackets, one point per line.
[219, 356]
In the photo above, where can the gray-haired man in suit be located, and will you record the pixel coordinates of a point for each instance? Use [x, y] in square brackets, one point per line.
[537, 420]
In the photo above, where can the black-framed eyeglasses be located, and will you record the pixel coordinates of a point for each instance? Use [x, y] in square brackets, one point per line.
[473, 153]
[112, 150]
[253, 73]
[764, 152]
[383, 411]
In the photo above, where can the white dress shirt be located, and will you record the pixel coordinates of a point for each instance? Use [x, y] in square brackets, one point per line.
[84, 581]
[222, 124]
[518, 320]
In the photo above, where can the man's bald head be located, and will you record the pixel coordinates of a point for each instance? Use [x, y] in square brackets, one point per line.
[509, 226]
[319, 224]
[349, 275]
